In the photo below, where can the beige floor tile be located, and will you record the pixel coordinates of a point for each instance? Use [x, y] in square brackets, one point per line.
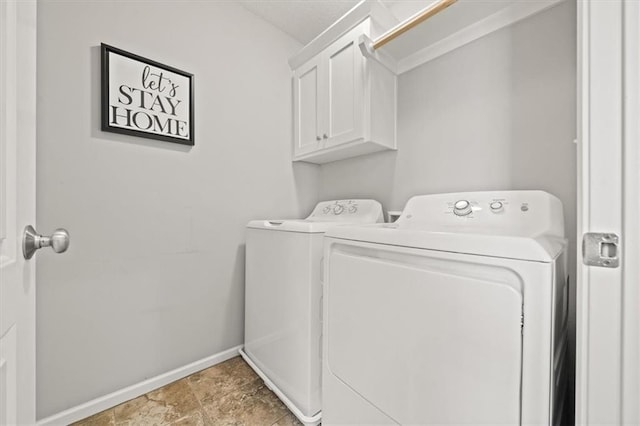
[221, 379]
[288, 420]
[178, 395]
[197, 418]
[253, 405]
[165, 406]
[229, 393]
[104, 418]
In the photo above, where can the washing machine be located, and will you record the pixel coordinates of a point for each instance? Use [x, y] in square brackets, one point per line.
[283, 300]
[454, 314]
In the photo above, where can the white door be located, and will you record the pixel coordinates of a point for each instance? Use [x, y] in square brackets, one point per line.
[17, 210]
[307, 98]
[608, 300]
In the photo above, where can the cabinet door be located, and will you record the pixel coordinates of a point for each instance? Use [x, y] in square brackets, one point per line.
[345, 79]
[306, 95]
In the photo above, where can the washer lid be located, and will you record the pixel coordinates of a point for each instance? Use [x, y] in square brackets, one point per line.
[294, 225]
[525, 225]
[327, 214]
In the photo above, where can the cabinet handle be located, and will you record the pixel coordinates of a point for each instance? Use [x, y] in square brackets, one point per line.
[318, 138]
[325, 136]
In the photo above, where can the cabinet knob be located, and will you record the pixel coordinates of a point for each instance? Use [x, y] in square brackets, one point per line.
[325, 136]
[318, 138]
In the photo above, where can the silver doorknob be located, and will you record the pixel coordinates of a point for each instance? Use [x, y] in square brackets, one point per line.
[32, 241]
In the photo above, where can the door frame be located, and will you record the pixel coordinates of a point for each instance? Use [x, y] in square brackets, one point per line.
[608, 299]
[631, 213]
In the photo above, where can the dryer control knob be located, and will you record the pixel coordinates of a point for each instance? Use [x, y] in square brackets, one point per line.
[496, 206]
[462, 208]
[338, 209]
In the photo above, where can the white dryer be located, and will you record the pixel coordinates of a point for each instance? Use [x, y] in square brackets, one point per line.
[283, 300]
[454, 314]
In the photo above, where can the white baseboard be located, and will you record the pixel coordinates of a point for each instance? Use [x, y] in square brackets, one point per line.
[118, 397]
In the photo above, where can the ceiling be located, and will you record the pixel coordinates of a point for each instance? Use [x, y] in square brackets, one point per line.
[305, 19]
[301, 19]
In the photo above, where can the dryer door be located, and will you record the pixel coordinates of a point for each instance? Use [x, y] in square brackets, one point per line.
[425, 340]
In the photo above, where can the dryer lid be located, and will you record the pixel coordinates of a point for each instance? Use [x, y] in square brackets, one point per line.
[527, 225]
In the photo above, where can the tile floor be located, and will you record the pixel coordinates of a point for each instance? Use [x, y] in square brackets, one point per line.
[229, 393]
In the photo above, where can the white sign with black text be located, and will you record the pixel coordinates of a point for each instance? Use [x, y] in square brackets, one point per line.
[143, 98]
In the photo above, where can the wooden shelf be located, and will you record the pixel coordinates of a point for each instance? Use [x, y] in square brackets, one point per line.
[453, 27]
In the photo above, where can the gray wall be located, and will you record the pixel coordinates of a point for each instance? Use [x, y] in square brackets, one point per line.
[498, 113]
[154, 277]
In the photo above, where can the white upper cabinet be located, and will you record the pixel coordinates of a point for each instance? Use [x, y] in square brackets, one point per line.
[344, 104]
[344, 80]
[307, 106]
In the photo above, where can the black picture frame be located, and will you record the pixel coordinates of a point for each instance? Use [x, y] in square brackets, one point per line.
[143, 106]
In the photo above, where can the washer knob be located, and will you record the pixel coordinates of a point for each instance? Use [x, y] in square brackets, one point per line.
[496, 206]
[338, 209]
[353, 208]
[462, 208]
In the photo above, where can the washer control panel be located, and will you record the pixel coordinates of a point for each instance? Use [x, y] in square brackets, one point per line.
[336, 208]
[347, 210]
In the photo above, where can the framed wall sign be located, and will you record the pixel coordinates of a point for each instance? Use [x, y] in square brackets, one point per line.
[144, 98]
